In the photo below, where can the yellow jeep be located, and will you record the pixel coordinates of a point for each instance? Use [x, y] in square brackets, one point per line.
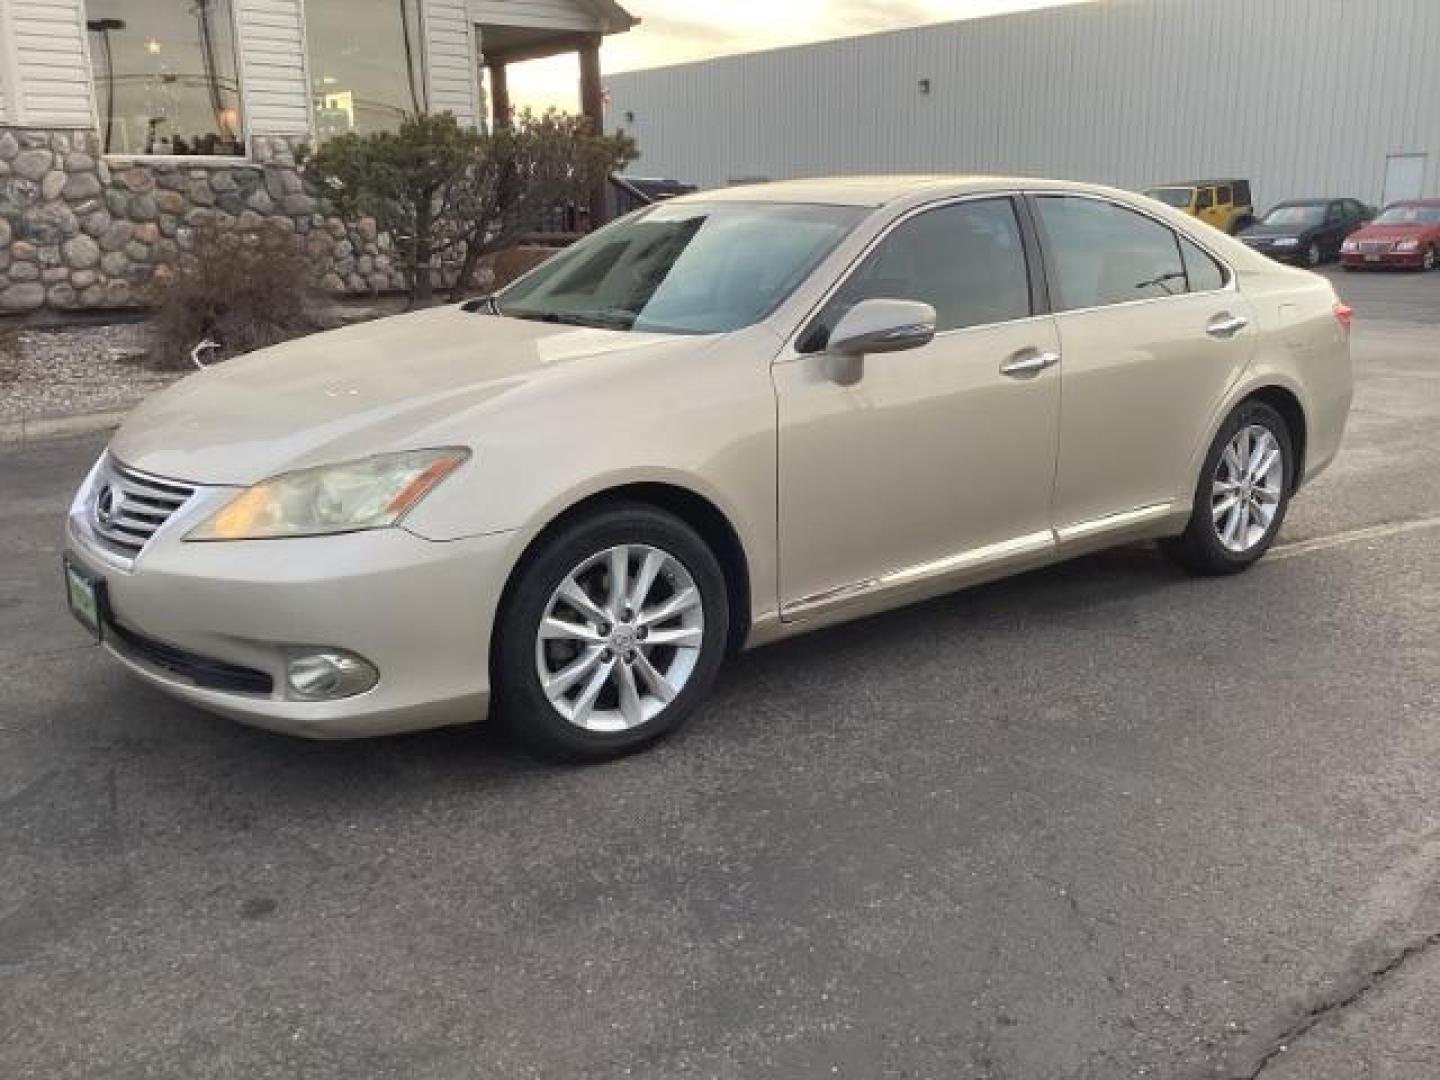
[1222, 203]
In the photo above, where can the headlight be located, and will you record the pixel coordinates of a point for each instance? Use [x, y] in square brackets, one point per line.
[372, 493]
[1287, 241]
[1407, 246]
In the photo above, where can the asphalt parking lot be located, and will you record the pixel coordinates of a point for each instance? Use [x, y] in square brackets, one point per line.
[1099, 821]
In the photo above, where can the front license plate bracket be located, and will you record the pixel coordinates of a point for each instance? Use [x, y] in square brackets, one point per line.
[85, 597]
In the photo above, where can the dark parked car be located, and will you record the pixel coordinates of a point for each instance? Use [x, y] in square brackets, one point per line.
[1406, 235]
[1307, 231]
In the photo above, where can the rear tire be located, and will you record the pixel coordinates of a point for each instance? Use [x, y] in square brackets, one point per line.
[1432, 259]
[583, 676]
[1241, 495]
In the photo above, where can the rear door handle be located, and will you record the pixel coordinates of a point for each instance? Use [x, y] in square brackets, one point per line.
[1226, 325]
[1028, 362]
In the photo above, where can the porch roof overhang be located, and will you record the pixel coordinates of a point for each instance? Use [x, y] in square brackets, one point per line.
[509, 34]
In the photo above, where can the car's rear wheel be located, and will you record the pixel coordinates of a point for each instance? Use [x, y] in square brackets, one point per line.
[1431, 260]
[611, 635]
[1242, 495]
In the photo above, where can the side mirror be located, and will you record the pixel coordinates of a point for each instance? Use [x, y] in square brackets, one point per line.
[882, 326]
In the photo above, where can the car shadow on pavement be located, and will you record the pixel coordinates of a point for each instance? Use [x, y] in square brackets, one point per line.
[755, 689]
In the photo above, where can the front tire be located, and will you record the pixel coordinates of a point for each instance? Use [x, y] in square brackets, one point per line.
[1242, 494]
[1314, 256]
[610, 636]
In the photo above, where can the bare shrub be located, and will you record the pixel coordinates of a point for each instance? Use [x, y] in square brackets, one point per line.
[241, 290]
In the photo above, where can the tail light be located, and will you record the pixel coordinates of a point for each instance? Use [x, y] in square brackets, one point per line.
[1344, 314]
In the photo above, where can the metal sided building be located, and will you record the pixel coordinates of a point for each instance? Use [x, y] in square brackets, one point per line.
[1303, 97]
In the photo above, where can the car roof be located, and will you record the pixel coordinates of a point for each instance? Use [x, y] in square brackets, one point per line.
[877, 191]
[1310, 202]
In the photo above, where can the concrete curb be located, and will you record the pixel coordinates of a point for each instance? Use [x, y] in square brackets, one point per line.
[20, 432]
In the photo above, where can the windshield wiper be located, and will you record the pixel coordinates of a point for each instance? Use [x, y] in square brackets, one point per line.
[484, 303]
[604, 320]
[607, 319]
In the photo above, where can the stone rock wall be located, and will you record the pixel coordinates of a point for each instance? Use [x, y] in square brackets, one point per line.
[78, 231]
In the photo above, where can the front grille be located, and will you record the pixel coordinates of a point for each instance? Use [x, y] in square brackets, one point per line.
[129, 506]
[1375, 247]
[203, 671]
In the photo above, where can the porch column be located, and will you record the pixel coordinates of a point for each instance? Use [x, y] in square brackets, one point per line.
[499, 96]
[592, 106]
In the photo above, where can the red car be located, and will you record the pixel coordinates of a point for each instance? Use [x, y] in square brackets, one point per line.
[1406, 235]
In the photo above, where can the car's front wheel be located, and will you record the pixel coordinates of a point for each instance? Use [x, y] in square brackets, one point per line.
[1242, 494]
[611, 634]
[1314, 256]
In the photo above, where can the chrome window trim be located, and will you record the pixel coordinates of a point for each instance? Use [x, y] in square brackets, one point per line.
[1231, 285]
[789, 351]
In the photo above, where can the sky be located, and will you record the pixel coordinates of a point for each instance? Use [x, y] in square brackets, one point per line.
[676, 31]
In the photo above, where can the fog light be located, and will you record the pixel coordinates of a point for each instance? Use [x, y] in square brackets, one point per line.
[328, 674]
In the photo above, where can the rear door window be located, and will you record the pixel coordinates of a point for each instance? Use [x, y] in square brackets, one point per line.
[1101, 254]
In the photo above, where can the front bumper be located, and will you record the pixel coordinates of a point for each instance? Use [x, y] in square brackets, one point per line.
[420, 611]
[1390, 260]
[1279, 254]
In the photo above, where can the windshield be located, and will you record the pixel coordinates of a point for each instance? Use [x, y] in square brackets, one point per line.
[1410, 215]
[1295, 215]
[688, 268]
[1178, 197]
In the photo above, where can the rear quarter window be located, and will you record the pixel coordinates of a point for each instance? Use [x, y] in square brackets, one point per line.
[1205, 274]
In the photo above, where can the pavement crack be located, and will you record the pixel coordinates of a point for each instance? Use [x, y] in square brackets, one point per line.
[1351, 991]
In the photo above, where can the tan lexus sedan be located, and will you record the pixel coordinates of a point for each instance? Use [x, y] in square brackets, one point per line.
[720, 421]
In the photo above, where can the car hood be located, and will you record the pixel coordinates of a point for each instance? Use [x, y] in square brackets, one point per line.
[400, 383]
[1261, 231]
[1395, 232]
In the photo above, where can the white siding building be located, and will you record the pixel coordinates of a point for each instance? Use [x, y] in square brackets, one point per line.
[1303, 97]
[126, 124]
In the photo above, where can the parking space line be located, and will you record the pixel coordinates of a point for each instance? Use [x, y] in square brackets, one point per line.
[1354, 536]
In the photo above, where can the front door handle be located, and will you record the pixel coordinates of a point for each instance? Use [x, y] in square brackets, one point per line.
[1028, 362]
[1226, 325]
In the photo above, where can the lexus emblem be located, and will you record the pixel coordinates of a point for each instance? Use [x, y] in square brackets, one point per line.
[108, 505]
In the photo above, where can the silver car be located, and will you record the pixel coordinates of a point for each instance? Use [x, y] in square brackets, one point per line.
[724, 420]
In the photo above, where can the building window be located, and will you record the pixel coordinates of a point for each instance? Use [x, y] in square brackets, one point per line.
[366, 64]
[165, 80]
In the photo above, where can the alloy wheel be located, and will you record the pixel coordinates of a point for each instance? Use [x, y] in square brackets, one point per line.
[620, 638]
[1246, 488]
[1430, 258]
[1314, 256]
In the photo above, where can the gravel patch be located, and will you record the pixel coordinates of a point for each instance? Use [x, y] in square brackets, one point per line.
[75, 370]
[48, 372]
